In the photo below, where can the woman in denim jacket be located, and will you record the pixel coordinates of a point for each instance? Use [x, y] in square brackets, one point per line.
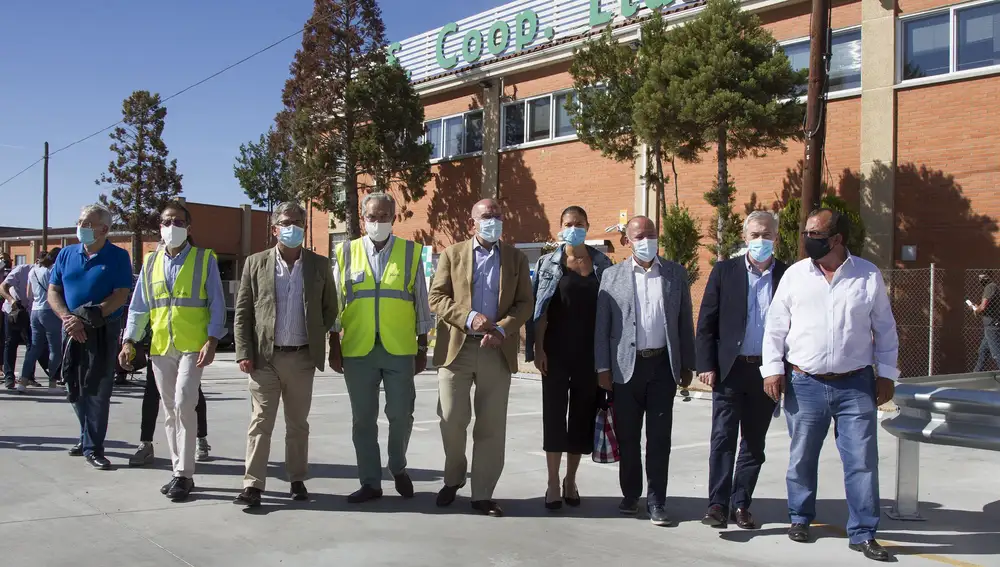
[560, 341]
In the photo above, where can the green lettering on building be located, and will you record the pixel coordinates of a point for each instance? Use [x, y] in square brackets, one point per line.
[472, 46]
[523, 37]
[597, 17]
[499, 37]
[442, 61]
[654, 4]
[391, 53]
[629, 9]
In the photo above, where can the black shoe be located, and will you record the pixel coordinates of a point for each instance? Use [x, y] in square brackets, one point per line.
[552, 504]
[166, 487]
[658, 515]
[76, 450]
[871, 549]
[181, 489]
[629, 506]
[364, 494]
[744, 519]
[299, 491]
[571, 499]
[250, 497]
[99, 462]
[446, 496]
[488, 507]
[9, 384]
[799, 533]
[715, 517]
[404, 486]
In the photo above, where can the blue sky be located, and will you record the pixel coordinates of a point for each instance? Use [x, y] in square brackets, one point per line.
[66, 65]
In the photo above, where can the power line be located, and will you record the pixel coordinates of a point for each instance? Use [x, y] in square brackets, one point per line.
[309, 24]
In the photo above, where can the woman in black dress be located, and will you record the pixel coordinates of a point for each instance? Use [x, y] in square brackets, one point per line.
[560, 341]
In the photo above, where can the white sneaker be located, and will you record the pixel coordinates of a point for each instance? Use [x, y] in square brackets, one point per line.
[22, 386]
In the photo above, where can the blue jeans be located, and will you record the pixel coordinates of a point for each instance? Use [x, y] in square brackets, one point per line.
[93, 411]
[46, 332]
[990, 345]
[810, 404]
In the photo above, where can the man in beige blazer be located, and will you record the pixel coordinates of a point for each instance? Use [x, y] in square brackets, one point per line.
[481, 293]
[285, 308]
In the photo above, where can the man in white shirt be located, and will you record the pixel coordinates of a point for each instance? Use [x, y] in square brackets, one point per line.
[644, 349]
[830, 330]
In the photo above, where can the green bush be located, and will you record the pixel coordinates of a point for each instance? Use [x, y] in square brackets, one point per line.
[787, 249]
[680, 238]
[732, 223]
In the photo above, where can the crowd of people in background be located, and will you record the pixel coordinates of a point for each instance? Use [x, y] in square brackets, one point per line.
[818, 336]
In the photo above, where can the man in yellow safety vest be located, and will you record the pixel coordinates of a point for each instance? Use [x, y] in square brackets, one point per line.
[179, 294]
[385, 320]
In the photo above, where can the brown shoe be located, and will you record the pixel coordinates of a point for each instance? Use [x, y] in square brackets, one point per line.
[715, 517]
[744, 519]
[250, 497]
[488, 507]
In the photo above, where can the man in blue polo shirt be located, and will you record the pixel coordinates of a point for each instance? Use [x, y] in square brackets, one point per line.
[94, 273]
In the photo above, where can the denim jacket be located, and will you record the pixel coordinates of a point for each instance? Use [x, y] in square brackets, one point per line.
[548, 271]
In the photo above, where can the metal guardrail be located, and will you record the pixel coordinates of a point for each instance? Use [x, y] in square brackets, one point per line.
[960, 410]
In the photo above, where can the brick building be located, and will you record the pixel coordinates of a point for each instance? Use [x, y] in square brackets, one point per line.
[913, 129]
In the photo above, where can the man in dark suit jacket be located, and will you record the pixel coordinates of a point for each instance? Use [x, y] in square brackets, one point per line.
[729, 343]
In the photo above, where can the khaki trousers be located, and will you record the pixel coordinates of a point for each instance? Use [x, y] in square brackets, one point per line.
[288, 378]
[487, 369]
[178, 378]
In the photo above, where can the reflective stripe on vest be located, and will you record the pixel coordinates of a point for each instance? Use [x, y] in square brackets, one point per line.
[179, 314]
[390, 300]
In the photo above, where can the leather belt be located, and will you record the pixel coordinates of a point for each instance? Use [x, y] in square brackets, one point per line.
[750, 359]
[290, 348]
[828, 375]
[470, 336]
[651, 352]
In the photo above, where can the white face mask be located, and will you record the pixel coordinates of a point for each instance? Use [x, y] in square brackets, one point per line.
[173, 236]
[378, 231]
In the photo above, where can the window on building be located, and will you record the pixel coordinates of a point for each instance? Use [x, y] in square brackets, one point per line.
[538, 119]
[432, 133]
[927, 49]
[454, 131]
[513, 124]
[455, 135]
[473, 132]
[563, 124]
[20, 259]
[845, 63]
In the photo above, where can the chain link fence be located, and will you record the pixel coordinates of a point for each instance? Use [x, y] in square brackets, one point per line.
[974, 338]
[918, 305]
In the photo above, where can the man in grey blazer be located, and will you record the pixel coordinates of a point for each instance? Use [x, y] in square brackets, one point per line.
[644, 348]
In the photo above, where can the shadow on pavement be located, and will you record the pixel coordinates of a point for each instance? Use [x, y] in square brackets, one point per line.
[21, 443]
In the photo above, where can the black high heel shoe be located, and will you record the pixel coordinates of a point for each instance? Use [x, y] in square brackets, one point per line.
[573, 501]
[552, 504]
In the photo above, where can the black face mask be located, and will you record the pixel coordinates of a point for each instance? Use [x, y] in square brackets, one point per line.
[817, 248]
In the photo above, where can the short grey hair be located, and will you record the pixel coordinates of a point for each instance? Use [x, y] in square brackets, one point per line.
[761, 216]
[288, 207]
[102, 212]
[378, 196]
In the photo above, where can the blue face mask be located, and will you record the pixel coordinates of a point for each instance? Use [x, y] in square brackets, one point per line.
[645, 250]
[490, 229]
[85, 235]
[574, 235]
[760, 249]
[291, 236]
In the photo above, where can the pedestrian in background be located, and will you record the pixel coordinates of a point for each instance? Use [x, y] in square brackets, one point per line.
[559, 340]
[482, 296]
[644, 346]
[179, 295]
[46, 327]
[830, 319]
[730, 342]
[385, 319]
[988, 309]
[88, 287]
[285, 308]
[17, 313]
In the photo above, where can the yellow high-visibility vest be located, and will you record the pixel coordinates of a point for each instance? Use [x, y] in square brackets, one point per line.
[180, 315]
[389, 301]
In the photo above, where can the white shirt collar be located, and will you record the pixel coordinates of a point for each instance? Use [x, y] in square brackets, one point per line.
[754, 269]
[638, 267]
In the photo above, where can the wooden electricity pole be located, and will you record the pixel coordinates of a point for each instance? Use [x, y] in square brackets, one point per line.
[45, 202]
[815, 133]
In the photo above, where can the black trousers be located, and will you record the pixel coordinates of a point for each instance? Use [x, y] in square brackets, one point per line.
[151, 409]
[739, 407]
[11, 340]
[569, 388]
[650, 394]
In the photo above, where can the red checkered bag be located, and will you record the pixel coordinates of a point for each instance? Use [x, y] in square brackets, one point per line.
[605, 441]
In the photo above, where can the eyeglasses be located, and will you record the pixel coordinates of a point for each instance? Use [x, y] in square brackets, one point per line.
[173, 222]
[815, 234]
[287, 223]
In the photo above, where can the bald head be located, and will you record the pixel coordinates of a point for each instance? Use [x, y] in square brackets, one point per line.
[486, 209]
[640, 228]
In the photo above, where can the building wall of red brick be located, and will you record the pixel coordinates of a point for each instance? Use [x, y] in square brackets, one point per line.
[792, 22]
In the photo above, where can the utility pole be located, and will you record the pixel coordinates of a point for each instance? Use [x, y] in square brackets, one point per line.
[815, 133]
[45, 201]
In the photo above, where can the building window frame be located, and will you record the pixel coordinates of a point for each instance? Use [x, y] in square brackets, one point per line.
[831, 95]
[524, 103]
[462, 153]
[953, 73]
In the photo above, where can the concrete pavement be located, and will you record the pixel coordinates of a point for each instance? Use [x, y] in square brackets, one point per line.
[56, 511]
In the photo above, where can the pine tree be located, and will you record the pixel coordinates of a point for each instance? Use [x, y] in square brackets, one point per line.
[141, 179]
[729, 77]
[262, 170]
[353, 119]
[728, 241]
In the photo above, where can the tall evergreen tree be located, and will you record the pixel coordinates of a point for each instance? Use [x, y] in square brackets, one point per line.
[262, 170]
[141, 179]
[353, 119]
[730, 77]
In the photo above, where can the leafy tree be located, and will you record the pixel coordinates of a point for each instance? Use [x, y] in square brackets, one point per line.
[352, 118]
[141, 179]
[262, 170]
[787, 248]
[679, 239]
[732, 232]
[729, 77]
